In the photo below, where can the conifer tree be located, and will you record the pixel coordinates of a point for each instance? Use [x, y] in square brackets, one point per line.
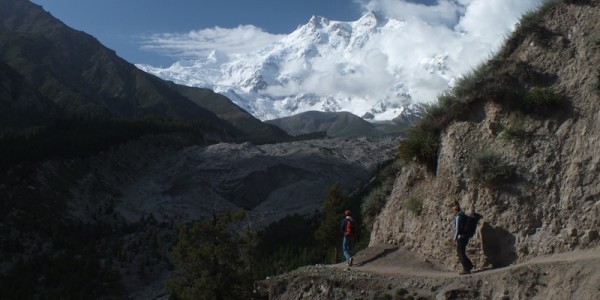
[209, 255]
[328, 233]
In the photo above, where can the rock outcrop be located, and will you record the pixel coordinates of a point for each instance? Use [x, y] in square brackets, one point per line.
[551, 202]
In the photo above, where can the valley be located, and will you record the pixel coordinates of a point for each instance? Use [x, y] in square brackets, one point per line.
[118, 184]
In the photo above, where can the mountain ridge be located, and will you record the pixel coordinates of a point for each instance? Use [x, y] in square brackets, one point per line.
[327, 65]
[250, 85]
[84, 79]
[334, 124]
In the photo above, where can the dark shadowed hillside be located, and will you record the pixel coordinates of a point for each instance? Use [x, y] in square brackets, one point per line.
[78, 73]
[100, 162]
[224, 108]
[21, 105]
[334, 124]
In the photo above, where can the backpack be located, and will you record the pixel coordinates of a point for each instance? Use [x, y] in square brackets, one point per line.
[469, 224]
[350, 228]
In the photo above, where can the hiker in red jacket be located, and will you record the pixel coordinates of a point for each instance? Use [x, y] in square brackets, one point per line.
[349, 231]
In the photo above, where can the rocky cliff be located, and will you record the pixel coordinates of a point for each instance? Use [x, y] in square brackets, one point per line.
[517, 141]
[549, 200]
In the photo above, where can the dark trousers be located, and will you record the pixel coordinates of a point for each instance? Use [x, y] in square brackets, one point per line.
[461, 250]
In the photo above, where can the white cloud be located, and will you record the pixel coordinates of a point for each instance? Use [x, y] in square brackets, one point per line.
[465, 31]
[199, 43]
[484, 18]
[458, 34]
[462, 32]
[444, 13]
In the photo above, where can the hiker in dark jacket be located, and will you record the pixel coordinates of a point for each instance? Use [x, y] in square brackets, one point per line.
[349, 232]
[461, 240]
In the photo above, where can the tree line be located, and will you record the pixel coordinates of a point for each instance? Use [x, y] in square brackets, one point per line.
[222, 257]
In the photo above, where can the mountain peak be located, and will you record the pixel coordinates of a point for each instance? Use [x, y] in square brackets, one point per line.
[320, 67]
[324, 65]
[318, 22]
[371, 19]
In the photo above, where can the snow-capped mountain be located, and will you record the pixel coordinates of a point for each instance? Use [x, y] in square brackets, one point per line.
[324, 65]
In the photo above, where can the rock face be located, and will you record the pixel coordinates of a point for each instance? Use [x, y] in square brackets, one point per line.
[552, 202]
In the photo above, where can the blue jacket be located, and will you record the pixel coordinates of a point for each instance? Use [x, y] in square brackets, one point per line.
[458, 223]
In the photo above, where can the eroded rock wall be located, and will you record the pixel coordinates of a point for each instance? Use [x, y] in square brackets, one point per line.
[552, 202]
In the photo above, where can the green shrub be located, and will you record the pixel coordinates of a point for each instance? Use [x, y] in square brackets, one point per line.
[512, 134]
[374, 202]
[542, 99]
[531, 19]
[376, 197]
[528, 23]
[470, 82]
[489, 169]
[420, 144]
[422, 140]
[415, 205]
[513, 131]
[434, 114]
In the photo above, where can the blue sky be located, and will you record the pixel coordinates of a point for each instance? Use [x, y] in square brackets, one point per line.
[123, 24]
[160, 32]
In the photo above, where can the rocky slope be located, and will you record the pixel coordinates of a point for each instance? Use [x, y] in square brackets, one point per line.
[139, 190]
[172, 179]
[269, 181]
[552, 202]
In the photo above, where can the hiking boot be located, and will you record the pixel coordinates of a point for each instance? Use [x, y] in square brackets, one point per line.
[350, 261]
[465, 272]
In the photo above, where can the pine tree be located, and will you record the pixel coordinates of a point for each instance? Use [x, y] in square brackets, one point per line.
[329, 232]
[210, 257]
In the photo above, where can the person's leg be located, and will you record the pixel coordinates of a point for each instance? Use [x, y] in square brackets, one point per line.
[350, 245]
[346, 249]
[469, 262]
[461, 247]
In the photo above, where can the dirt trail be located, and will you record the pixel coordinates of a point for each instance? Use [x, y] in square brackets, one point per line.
[390, 260]
[388, 271]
